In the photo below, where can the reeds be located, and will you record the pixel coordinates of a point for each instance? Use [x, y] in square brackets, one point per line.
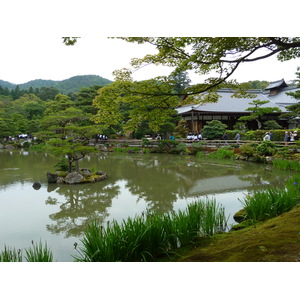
[222, 153]
[285, 164]
[146, 237]
[36, 253]
[10, 255]
[269, 203]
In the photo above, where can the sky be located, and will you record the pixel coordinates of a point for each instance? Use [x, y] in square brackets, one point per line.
[46, 57]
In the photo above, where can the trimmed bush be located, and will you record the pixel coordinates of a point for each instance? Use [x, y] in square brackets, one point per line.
[266, 148]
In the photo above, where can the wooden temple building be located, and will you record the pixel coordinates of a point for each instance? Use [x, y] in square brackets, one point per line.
[229, 109]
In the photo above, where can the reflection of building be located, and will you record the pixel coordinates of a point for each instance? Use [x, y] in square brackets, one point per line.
[228, 109]
[218, 185]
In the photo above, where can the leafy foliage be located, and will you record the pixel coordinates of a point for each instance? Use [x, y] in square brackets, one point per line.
[206, 54]
[257, 111]
[266, 148]
[214, 130]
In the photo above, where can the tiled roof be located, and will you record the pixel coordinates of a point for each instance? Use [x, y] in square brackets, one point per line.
[276, 84]
[229, 104]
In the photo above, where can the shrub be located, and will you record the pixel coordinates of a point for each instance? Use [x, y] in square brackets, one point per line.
[166, 145]
[271, 125]
[266, 148]
[180, 149]
[283, 152]
[62, 165]
[214, 130]
[200, 154]
[222, 153]
[145, 142]
[247, 150]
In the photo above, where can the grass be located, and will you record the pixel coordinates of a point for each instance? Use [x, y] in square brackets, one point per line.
[274, 240]
[285, 164]
[272, 202]
[38, 148]
[146, 237]
[35, 253]
[38, 253]
[10, 255]
[222, 153]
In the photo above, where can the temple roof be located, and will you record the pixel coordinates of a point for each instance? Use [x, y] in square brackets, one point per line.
[228, 104]
[276, 84]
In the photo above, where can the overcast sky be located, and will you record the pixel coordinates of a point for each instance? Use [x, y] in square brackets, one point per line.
[45, 57]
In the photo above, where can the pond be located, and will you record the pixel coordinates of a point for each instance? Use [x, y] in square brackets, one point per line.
[58, 214]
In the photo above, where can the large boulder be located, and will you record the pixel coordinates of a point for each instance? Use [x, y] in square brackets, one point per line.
[52, 178]
[73, 177]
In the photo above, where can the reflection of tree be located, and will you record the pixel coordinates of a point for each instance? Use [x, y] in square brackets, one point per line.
[159, 180]
[83, 204]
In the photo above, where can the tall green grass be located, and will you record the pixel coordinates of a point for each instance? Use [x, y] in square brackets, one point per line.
[35, 253]
[38, 253]
[146, 237]
[285, 164]
[10, 255]
[222, 153]
[272, 202]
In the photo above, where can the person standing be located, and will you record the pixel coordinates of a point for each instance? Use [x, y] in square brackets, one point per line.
[237, 137]
[225, 137]
[286, 138]
[267, 137]
[271, 135]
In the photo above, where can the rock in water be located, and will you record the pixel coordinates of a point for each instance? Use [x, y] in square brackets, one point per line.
[36, 185]
[52, 178]
[73, 177]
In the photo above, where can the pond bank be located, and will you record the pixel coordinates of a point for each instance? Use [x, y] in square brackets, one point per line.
[275, 240]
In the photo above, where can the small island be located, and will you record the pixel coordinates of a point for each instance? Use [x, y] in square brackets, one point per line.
[81, 176]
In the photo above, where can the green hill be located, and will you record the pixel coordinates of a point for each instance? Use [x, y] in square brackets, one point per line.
[71, 85]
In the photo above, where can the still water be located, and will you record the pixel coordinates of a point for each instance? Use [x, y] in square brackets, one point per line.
[58, 214]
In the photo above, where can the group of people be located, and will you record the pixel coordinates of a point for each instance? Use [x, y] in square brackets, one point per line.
[290, 137]
[102, 137]
[194, 137]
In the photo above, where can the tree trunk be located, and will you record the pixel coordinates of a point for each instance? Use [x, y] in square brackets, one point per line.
[76, 165]
[70, 161]
[258, 124]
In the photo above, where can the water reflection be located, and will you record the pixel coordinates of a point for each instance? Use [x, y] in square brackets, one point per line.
[135, 183]
[82, 203]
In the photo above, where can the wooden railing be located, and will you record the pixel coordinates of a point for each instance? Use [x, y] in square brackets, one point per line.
[154, 142]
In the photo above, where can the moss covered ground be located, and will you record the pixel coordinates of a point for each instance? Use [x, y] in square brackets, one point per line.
[274, 240]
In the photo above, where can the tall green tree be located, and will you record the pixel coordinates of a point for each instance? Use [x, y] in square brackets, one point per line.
[215, 57]
[156, 109]
[257, 111]
[84, 99]
[293, 111]
[220, 56]
[65, 125]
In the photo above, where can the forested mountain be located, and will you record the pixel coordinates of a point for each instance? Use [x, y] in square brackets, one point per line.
[71, 85]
